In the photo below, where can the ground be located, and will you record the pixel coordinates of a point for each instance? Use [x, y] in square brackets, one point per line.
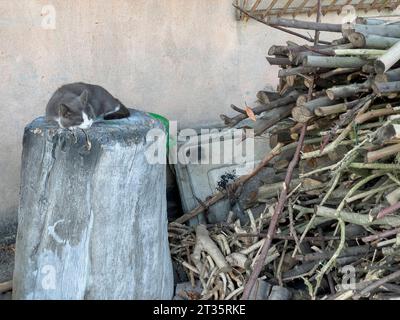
[6, 266]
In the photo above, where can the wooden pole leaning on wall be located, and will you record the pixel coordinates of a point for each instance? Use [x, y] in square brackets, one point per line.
[92, 223]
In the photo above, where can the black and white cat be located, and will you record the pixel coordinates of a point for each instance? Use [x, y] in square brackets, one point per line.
[78, 105]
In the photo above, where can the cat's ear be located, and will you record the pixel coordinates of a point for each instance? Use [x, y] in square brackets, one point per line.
[84, 97]
[65, 111]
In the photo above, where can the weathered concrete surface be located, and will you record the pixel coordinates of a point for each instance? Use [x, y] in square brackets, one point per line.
[185, 59]
[92, 224]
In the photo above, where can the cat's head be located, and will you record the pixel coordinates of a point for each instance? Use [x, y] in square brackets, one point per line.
[73, 113]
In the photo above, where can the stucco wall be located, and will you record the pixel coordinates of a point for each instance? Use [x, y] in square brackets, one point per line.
[185, 59]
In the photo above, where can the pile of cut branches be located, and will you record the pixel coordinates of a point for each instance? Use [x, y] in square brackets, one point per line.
[322, 209]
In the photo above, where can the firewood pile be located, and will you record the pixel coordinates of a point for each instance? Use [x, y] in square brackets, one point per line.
[322, 208]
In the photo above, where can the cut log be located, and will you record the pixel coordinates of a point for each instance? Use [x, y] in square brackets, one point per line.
[368, 68]
[302, 99]
[297, 58]
[322, 83]
[353, 77]
[336, 72]
[319, 49]
[280, 61]
[289, 98]
[271, 118]
[314, 95]
[349, 90]
[383, 153]
[370, 21]
[278, 51]
[391, 75]
[339, 41]
[361, 118]
[389, 59]
[294, 81]
[333, 62]
[357, 39]
[336, 108]
[392, 31]
[303, 113]
[93, 223]
[297, 70]
[362, 53]
[271, 190]
[266, 97]
[371, 41]
[328, 110]
[386, 87]
[312, 104]
[281, 136]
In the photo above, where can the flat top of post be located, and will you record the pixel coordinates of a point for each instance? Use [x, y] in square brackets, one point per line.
[128, 130]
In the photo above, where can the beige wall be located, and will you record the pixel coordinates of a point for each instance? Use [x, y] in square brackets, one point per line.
[185, 59]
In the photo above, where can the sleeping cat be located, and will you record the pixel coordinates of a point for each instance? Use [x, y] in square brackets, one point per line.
[78, 105]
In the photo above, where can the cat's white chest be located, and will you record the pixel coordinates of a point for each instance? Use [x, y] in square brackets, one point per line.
[87, 123]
